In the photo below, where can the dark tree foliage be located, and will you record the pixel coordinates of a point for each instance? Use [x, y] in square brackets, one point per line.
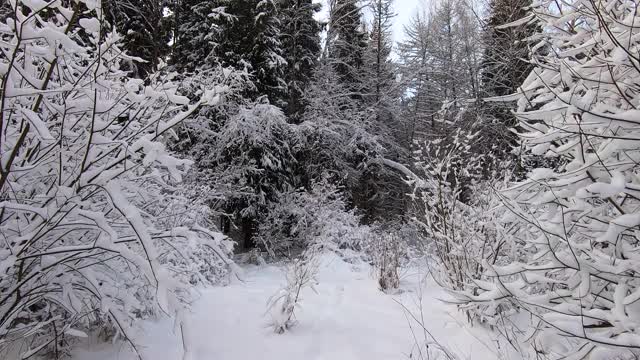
[347, 43]
[146, 30]
[194, 33]
[300, 39]
[239, 34]
[504, 67]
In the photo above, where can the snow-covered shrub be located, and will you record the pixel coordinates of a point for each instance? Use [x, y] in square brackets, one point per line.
[386, 256]
[458, 213]
[301, 274]
[207, 262]
[79, 143]
[450, 217]
[302, 218]
[578, 225]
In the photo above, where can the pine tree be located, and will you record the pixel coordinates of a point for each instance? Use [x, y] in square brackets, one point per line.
[300, 41]
[347, 43]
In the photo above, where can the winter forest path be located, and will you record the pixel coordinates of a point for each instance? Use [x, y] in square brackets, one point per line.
[347, 319]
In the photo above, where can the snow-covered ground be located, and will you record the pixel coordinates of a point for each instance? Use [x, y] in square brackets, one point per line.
[347, 319]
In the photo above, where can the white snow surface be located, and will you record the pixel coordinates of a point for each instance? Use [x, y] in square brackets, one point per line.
[347, 319]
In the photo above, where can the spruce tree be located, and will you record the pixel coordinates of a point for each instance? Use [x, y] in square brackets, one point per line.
[503, 69]
[300, 41]
[195, 33]
[266, 53]
[504, 65]
[244, 35]
[347, 43]
[145, 29]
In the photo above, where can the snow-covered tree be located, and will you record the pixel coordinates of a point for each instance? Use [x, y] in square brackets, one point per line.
[503, 69]
[145, 28]
[421, 104]
[300, 39]
[266, 54]
[506, 49]
[243, 35]
[83, 171]
[441, 58]
[346, 43]
[252, 159]
[577, 225]
[196, 33]
[378, 69]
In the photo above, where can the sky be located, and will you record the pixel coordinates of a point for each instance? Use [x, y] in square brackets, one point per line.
[403, 8]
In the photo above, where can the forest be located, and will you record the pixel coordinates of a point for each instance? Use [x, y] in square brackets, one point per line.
[295, 179]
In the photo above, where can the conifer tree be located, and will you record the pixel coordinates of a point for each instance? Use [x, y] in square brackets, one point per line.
[347, 43]
[244, 35]
[418, 74]
[379, 69]
[300, 41]
[195, 33]
[266, 53]
[504, 67]
[145, 29]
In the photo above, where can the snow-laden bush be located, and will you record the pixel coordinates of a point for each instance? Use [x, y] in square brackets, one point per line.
[386, 259]
[205, 262]
[304, 218]
[458, 214]
[82, 176]
[578, 224]
[301, 274]
[454, 209]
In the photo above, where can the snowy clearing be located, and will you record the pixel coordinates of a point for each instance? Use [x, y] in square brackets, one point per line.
[348, 318]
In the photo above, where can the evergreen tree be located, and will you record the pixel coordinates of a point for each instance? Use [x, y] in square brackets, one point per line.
[244, 35]
[195, 33]
[145, 29]
[301, 45]
[379, 69]
[503, 69]
[347, 43]
[504, 65]
[266, 53]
